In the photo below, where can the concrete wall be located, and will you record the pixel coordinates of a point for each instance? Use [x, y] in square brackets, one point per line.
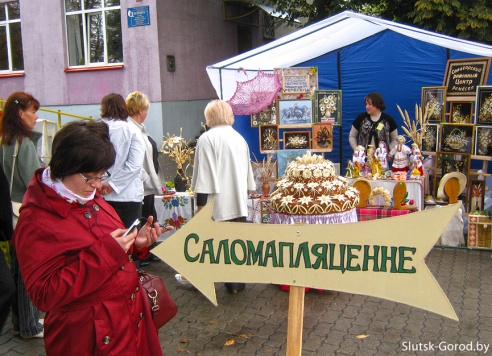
[196, 34]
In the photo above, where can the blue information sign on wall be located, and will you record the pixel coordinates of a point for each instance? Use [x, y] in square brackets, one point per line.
[138, 16]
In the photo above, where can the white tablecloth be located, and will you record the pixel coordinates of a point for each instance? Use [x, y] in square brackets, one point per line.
[453, 234]
[174, 210]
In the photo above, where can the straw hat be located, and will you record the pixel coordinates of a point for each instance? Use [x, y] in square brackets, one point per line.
[461, 178]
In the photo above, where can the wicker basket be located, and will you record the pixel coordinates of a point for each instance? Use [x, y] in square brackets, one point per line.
[479, 231]
[455, 139]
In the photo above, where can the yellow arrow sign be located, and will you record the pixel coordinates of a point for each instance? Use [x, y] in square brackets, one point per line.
[381, 258]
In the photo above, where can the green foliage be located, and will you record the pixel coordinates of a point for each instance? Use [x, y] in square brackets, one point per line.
[459, 18]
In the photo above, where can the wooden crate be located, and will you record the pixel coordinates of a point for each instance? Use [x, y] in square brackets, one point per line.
[479, 231]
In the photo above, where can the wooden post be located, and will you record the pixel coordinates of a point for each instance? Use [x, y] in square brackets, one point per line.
[295, 321]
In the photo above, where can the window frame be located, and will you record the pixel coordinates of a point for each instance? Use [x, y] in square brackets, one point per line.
[7, 23]
[85, 15]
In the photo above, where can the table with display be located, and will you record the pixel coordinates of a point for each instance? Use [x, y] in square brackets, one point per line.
[258, 211]
[175, 210]
[414, 189]
[374, 212]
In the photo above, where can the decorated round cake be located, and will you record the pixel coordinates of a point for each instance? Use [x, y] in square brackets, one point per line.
[311, 188]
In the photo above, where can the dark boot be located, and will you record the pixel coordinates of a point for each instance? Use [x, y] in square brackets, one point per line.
[235, 287]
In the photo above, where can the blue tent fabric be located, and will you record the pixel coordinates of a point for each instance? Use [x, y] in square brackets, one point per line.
[389, 62]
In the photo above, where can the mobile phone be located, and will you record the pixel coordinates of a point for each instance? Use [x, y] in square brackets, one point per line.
[132, 226]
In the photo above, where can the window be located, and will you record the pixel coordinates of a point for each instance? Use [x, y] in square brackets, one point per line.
[268, 27]
[11, 56]
[93, 32]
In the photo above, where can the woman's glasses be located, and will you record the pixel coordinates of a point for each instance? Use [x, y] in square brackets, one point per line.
[90, 180]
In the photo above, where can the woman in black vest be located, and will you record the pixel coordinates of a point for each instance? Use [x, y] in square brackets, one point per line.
[374, 125]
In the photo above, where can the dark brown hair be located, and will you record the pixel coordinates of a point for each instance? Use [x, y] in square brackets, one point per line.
[376, 100]
[11, 124]
[81, 147]
[113, 106]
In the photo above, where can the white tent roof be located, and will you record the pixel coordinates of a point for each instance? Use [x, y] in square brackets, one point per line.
[315, 40]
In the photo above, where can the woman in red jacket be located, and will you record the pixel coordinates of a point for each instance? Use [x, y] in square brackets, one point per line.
[75, 260]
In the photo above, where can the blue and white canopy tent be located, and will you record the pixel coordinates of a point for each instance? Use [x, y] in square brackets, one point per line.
[357, 54]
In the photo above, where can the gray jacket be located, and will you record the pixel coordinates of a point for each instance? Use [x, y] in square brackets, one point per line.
[27, 162]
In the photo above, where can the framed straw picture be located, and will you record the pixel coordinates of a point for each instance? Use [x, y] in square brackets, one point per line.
[269, 140]
[461, 112]
[450, 162]
[430, 140]
[298, 82]
[295, 140]
[434, 97]
[295, 112]
[464, 76]
[265, 116]
[284, 157]
[457, 138]
[483, 140]
[328, 106]
[483, 106]
[322, 137]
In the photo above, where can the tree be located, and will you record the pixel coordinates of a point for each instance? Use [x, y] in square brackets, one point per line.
[459, 18]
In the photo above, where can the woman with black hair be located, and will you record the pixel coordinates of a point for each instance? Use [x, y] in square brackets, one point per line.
[374, 125]
[74, 256]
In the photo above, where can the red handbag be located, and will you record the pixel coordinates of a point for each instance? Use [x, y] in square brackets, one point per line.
[162, 306]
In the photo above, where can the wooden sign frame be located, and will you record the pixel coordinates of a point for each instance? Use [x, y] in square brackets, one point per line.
[463, 76]
[297, 82]
[435, 95]
[269, 138]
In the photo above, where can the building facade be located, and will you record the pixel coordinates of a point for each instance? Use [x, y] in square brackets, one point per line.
[71, 53]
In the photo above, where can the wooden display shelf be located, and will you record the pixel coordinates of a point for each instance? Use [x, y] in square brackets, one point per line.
[471, 173]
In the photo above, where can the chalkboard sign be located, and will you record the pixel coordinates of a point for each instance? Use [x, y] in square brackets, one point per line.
[463, 76]
[295, 84]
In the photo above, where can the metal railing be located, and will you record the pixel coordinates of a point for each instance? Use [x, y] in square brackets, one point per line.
[58, 113]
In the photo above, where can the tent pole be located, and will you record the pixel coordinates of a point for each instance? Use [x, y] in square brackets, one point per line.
[339, 71]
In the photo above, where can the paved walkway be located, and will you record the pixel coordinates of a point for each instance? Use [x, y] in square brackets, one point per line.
[254, 322]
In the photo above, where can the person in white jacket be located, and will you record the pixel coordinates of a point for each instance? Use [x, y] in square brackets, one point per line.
[223, 170]
[138, 104]
[124, 189]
